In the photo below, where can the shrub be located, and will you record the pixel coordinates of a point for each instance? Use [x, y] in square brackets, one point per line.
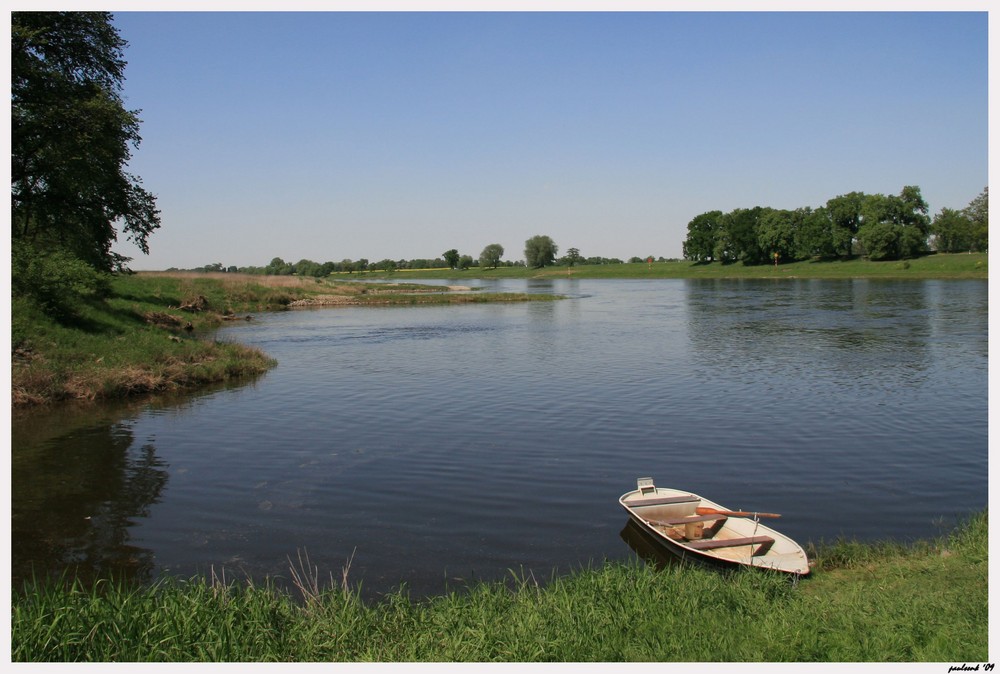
[55, 280]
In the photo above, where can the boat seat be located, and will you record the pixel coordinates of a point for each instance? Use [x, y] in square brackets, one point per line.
[662, 500]
[765, 543]
[674, 521]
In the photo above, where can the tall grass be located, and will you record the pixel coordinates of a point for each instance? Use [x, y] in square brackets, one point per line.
[923, 603]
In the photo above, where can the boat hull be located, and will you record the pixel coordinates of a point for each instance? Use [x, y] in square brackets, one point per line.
[670, 520]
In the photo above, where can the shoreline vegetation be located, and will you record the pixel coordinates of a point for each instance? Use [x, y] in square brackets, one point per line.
[931, 266]
[864, 602]
[146, 335]
[152, 332]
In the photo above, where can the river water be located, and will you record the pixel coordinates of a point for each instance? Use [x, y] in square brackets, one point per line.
[436, 446]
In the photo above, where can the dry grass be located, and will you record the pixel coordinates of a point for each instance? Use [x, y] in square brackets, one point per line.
[305, 577]
[232, 280]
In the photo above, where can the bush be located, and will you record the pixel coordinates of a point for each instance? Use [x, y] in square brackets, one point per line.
[54, 280]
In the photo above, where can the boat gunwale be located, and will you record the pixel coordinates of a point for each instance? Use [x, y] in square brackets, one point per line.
[771, 560]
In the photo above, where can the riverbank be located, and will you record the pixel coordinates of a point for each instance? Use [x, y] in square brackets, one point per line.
[151, 334]
[936, 266]
[926, 602]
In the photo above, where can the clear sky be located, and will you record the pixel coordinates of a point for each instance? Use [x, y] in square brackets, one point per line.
[337, 135]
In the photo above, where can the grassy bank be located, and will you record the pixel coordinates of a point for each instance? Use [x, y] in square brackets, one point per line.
[875, 603]
[939, 266]
[152, 333]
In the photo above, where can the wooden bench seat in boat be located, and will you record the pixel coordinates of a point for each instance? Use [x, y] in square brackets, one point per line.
[765, 543]
[674, 521]
[662, 500]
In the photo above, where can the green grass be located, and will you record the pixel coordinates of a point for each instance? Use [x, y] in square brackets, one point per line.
[134, 342]
[141, 340]
[946, 266]
[879, 603]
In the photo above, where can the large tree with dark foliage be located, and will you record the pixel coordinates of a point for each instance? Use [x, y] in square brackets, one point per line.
[71, 140]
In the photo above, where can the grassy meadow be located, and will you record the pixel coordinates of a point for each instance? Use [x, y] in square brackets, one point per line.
[926, 602]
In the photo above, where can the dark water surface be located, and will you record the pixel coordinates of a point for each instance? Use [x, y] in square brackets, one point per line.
[441, 445]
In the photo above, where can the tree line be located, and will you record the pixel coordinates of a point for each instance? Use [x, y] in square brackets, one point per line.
[539, 251]
[876, 226]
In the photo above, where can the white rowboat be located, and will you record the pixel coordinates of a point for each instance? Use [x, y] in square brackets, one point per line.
[722, 537]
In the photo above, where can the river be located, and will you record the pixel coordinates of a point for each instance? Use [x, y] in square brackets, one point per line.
[436, 446]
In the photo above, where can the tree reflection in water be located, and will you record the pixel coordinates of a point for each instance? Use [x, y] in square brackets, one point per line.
[74, 498]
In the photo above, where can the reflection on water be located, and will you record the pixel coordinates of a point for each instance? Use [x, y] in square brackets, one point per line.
[442, 445]
[643, 545]
[79, 484]
[873, 329]
[76, 498]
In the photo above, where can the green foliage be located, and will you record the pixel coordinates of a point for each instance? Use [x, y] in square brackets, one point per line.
[56, 281]
[884, 227]
[845, 220]
[571, 258]
[939, 266]
[963, 230]
[978, 211]
[71, 138]
[952, 231]
[737, 239]
[491, 255]
[540, 251]
[451, 257]
[700, 243]
[880, 240]
[879, 603]
[776, 233]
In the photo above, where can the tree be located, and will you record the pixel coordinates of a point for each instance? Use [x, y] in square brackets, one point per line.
[776, 232]
[736, 238]
[978, 212]
[451, 257]
[845, 220]
[539, 251]
[71, 137]
[306, 268]
[894, 227]
[572, 257]
[490, 257]
[952, 231]
[814, 236]
[278, 267]
[700, 243]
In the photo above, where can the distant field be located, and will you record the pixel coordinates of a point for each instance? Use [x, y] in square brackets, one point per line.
[943, 266]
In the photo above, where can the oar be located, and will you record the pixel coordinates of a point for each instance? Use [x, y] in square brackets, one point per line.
[733, 513]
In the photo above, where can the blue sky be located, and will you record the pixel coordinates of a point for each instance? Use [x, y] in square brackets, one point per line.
[339, 135]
